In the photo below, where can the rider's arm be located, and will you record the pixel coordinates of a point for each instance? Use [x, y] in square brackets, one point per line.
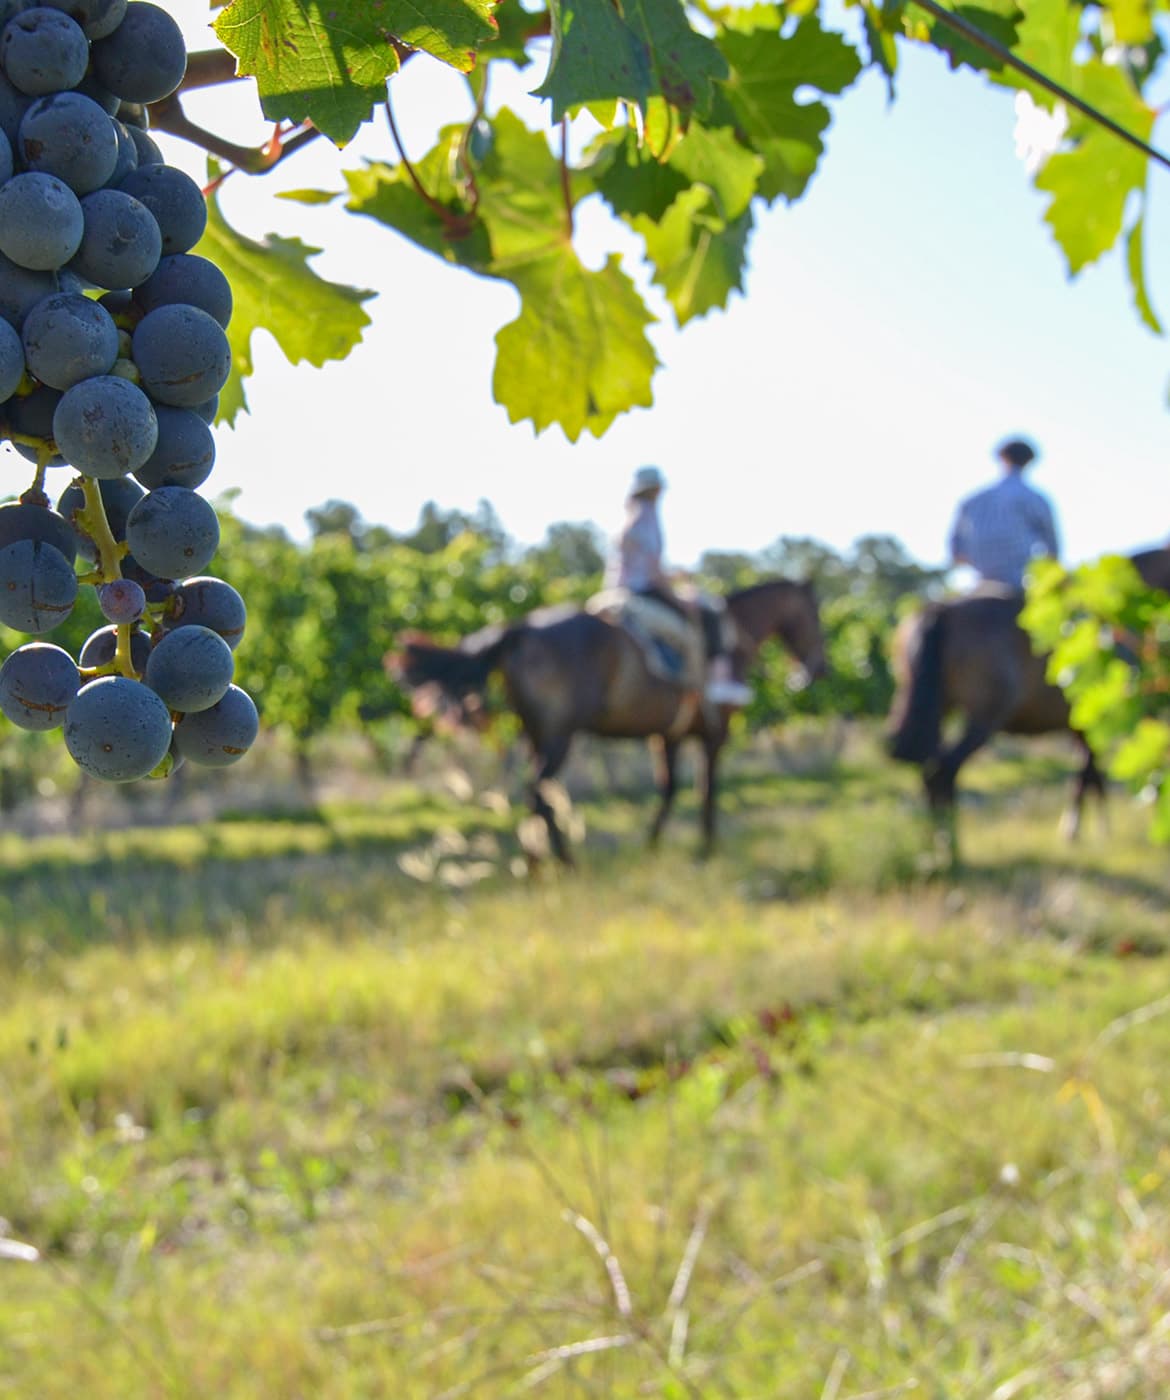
[958, 540]
[1048, 536]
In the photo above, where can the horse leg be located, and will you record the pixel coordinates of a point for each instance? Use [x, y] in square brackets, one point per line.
[550, 755]
[710, 791]
[941, 778]
[666, 758]
[1088, 780]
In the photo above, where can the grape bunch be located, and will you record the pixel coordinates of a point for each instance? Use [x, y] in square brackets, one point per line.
[112, 355]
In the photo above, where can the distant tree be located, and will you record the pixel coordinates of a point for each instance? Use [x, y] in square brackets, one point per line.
[570, 549]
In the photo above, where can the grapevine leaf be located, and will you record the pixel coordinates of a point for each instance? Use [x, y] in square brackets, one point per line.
[767, 69]
[716, 159]
[274, 289]
[1091, 183]
[883, 47]
[577, 354]
[514, 26]
[595, 55]
[1132, 21]
[387, 194]
[332, 73]
[629, 178]
[521, 197]
[996, 23]
[698, 257]
[683, 62]
[1046, 38]
[309, 196]
[1135, 263]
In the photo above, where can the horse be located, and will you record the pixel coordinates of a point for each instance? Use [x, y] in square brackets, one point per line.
[970, 655]
[567, 671]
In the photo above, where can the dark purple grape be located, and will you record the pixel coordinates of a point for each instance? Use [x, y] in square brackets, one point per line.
[91, 88]
[191, 280]
[37, 682]
[144, 59]
[21, 289]
[176, 202]
[37, 586]
[147, 148]
[121, 244]
[119, 495]
[67, 339]
[11, 361]
[121, 600]
[41, 222]
[21, 521]
[7, 159]
[207, 409]
[182, 354]
[209, 602]
[173, 532]
[13, 106]
[105, 427]
[185, 453]
[190, 669]
[69, 136]
[102, 646]
[117, 729]
[219, 736]
[156, 588]
[98, 18]
[42, 51]
[127, 162]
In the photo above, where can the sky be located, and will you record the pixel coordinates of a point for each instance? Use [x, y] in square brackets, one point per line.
[906, 315]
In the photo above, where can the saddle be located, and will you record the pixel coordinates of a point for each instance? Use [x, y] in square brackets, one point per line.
[671, 643]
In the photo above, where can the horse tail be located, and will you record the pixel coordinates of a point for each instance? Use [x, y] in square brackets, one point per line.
[916, 720]
[458, 672]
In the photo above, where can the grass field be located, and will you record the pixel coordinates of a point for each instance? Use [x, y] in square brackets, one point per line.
[335, 1104]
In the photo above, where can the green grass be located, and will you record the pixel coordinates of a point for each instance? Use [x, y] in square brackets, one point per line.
[339, 1106]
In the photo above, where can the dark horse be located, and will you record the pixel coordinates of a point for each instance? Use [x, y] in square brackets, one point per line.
[567, 671]
[970, 656]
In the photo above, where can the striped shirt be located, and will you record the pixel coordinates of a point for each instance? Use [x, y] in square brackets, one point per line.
[636, 560]
[1000, 530]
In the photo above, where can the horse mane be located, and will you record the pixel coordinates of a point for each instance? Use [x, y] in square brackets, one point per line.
[745, 594]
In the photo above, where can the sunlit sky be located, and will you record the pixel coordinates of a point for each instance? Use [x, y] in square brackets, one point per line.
[897, 322]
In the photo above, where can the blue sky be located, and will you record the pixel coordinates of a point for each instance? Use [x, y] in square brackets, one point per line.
[898, 321]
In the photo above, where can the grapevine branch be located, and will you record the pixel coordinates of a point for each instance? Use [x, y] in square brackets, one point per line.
[1000, 51]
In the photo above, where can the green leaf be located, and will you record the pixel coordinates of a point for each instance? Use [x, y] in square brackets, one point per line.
[684, 63]
[996, 23]
[766, 71]
[309, 196]
[629, 178]
[331, 68]
[1133, 21]
[387, 194]
[1046, 38]
[1135, 264]
[577, 354]
[521, 195]
[1143, 752]
[727, 168]
[883, 47]
[698, 256]
[595, 55]
[1091, 183]
[274, 289]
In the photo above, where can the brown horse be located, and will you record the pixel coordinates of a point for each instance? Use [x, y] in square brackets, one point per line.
[566, 671]
[970, 656]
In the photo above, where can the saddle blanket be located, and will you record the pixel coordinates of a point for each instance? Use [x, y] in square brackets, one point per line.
[672, 645]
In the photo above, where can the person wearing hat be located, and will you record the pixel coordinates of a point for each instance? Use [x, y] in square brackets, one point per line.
[999, 531]
[636, 563]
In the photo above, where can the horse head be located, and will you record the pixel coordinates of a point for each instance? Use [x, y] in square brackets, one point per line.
[786, 610]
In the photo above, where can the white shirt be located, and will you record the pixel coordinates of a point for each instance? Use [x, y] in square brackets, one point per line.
[635, 561]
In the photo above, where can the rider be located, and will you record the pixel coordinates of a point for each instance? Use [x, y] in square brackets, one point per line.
[1001, 529]
[636, 564]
